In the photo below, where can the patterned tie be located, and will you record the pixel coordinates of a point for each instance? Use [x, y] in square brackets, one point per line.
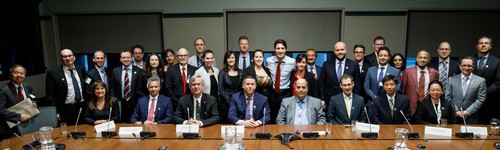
[443, 74]
[464, 85]
[311, 70]
[277, 78]
[339, 70]
[248, 114]
[198, 110]
[381, 74]
[126, 87]
[199, 61]
[481, 63]
[151, 111]
[391, 105]
[20, 95]
[76, 87]
[421, 86]
[184, 81]
[348, 106]
[244, 62]
[300, 111]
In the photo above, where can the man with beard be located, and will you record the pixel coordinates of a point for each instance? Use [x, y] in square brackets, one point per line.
[138, 52]
[311, 63]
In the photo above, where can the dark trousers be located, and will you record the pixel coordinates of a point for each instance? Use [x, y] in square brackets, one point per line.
[275, 102]
[69, 113]
[126, 109]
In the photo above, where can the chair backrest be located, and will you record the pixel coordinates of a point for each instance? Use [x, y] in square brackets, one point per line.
[46, 117]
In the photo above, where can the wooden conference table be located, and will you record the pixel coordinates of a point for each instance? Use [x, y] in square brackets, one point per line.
[342, 137]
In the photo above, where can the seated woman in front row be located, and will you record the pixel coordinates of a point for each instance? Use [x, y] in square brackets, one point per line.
[98, 107]
[434, 108]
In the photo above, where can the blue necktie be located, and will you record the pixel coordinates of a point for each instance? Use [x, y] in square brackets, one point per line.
[248, 114]
[381, 74]
[76, 87]
[339, 70]
[244, 62]
[199, 61]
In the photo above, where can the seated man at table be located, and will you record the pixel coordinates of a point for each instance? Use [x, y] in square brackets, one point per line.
[346, 106]
[387, 106]
[202, 107]
[247, 107]
[154, 108]
[301, 109]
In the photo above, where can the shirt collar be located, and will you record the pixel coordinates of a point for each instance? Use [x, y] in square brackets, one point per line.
[155, 97]
[447, 60]
[389, 97]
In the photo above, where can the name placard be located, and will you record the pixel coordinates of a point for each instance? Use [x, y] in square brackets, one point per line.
[180, 128]
[475, 130]
[108, 126]
[447, 132]
[360, 126]
[129, 130]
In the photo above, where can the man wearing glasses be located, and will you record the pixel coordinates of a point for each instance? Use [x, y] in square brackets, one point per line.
[176, 78]
[346, 106]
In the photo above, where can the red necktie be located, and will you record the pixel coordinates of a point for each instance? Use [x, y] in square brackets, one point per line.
[277, 78]
[421, 86]
[126, 88]
[184, 80]
[20, 95]
[151, 111]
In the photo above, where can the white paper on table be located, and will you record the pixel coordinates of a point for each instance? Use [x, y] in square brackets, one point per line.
[438, 131]
[180, 128]
[475, 130]
[129, 130]
[319, 132]
[360, 126]
[110, 125]
[240, 129]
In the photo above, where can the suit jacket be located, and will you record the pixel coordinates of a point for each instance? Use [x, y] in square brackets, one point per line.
[337, 112]
[491, 72]
[163, 110]
[237, 109]
[206, 78]
[93, 75]
[371, 59]
[311, 83]
[317, 67]
[145, 78]
[226, 87]
[410, 85]
[237, 57]
[57, 87]
[453, 69]
[426, 113]
[314, 113]
[209, 110]
[473, 98]
[8, 98]
[329, 83]
[382, 112]
[173, 82]
[372, 86]
[193, 61]
[136, 86]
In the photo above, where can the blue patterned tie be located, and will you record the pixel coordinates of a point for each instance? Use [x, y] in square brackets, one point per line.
[244, 62]
[76, 87]
[339, 70]
[381, 74]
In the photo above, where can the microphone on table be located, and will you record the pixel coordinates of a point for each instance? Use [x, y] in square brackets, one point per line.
[136, 139]
[263, 135]
[70, 137]
[372, 135]
[311, 134]
[146, 134]
[75, 134]
[465, 134]
[109, 133]
[26, 142]
[190, 135]
[399, 145]
[412, 135]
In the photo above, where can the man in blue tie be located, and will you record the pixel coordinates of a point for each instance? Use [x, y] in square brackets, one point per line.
[373, 80]
[244, 58]
[247, 107]
[195, 60]
[301, 109]
[99, 72]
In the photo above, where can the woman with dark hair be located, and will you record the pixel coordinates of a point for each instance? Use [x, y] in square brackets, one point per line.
[261, 72]
[153, 68]
[229, 83]
[434, 107]
[209, 74]
[398, 61]
[98, 107]
[301, 73]
[168, 59]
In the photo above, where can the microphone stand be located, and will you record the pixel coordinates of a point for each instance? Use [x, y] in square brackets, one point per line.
[263, 135]
[465, 134]
[412, 135]
[371, 135]
[109, 133]
[190, 135]
[75, 134]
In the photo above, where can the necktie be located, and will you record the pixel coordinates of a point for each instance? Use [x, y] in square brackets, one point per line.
[381, 74]
[421, 86]
[126, 87]
[199, 61]
[348, 106]
[76, 87]
[151, 111]
[244, 62]
[277, 78]
[104, 77]
[339, 70]
[248, 114]
[184, 80]
[311, 70]
[198, 110]
[391, 105]
[464, 85]
[20, 95]
[481, 63]
[443, 74]
[300, 111]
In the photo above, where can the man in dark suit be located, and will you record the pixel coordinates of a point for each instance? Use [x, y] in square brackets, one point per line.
[359, 52]
[378, 42]
[375, 74]
[202, 107]
[154, 108]
[247, 106]
[346, 106]
[98, 72]
[12, 93]
[244, 58]
[488, 67]
[126, 85]
[387, 107]
[447, 67]
[64, 86]
[329, 80]
[311, 63]
[176, 78]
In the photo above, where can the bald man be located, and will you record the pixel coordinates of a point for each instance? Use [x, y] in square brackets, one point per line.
[176, 77]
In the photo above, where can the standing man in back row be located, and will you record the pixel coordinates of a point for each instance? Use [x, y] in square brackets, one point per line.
[372, 59]
[447, 67]
[196, 59]
[138, 53]
[244, 58]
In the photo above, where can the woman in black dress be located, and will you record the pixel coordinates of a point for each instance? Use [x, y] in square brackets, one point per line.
[435, 107]
[261, 72]
[229, 83]
[301, 73]
[154, 68]
[100, 104]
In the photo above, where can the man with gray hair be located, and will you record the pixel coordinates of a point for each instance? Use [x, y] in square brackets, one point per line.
[153, 108]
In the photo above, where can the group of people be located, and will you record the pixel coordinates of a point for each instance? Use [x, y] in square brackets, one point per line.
[180, 89]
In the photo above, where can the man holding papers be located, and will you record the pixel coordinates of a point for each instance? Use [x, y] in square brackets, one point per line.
[247, 107]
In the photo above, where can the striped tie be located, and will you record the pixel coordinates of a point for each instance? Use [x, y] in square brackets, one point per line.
[126, 88]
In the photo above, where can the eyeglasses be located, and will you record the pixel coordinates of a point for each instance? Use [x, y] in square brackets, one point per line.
[346, 85]
[182, 55]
